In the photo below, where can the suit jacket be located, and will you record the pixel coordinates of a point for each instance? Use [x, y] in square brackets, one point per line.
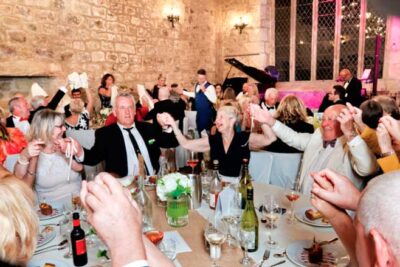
[109, 146]
[353, 92]
[51, 105]
[10, 122]
[352, 161]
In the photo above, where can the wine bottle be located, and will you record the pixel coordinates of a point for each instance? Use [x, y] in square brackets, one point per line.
[244, 181]
[78, 242]
[215, 186]
[249, 221]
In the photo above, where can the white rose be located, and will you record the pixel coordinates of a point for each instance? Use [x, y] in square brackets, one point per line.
[161, 193]
[170, 185]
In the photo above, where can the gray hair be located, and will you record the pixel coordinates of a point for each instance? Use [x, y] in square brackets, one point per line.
[37, 101]
[126, 94]
[231, 111]
[270, 91]
[12, 103]
[379, 208]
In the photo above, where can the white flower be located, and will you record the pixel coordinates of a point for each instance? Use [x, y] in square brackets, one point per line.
[169, 183]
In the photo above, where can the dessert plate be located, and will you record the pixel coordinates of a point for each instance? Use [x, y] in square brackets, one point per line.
[47, 234]
[300, 215]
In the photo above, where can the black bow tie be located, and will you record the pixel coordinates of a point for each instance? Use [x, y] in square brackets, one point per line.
[269, 108]
[331, 143]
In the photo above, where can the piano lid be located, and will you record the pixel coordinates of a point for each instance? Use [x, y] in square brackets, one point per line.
[257, 74]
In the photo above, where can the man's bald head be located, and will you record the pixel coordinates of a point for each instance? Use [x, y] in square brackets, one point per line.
[330, 127]
[345, 74]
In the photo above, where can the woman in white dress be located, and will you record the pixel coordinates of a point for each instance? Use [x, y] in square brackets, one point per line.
[42, 165]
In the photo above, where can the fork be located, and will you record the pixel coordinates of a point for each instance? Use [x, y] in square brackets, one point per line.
[265, 257]
[48, 249]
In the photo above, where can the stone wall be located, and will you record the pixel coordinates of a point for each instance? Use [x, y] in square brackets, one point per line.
[131, 39]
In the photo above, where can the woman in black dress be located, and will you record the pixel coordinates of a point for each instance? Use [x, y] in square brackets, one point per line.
[226, 145]
[161, 82]
[291, 112]
[105, 90]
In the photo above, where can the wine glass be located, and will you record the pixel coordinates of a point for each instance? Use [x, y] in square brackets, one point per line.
[215, 236]
[168, 248]
[271, 212]
[205, 185]
[193, 160]
[65, 231]
[292, 193]
[232, 221]
[245, 238]
[76, 202]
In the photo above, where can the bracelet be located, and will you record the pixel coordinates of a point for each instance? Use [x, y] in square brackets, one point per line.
[387, 154]
[22, 162]
[31, 173]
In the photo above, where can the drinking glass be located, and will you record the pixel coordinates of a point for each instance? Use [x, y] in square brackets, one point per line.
[168, 248]
[292, 193]
[245, 238]
[193, 160]
[271, 212]
[215, 236]
[205, 185]
[232, 220]
[76, 202]
[65, 232]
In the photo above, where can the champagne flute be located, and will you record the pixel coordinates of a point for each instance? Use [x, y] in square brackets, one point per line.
[193, 160]
[292, 193]
[215, 237]
[271, 212]
[245, 238]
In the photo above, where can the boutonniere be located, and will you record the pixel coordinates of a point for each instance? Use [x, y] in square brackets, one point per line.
[151, 141]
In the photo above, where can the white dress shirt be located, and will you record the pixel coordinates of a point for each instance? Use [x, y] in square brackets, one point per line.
[133, 169]
[23, 126]
[210, 93]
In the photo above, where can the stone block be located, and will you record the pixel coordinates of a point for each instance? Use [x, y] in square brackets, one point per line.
[17, 36]
[6, 9]
[116, 27]
[127, 48]
[99, 11]
[93, 45]
[111, 57]
[78, 45]
[107, 46]
[98, 56]
[123, 58]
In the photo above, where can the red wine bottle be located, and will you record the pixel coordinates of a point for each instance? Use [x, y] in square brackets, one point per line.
[78, 242]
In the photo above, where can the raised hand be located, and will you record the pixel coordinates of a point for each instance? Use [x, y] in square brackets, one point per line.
[384, 139]
[392, 126]
[346, 123]
[336, 189]
[33, 149]
[62, 145]
[261, 115]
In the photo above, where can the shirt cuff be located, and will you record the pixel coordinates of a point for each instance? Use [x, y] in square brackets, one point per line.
[139, 263]
[276, 126]
[355, 141]
[189, 94]
[63, 88]
[81, 158]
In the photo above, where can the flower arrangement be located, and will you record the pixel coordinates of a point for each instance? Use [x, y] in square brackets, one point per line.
[173, 185]
[104, 112]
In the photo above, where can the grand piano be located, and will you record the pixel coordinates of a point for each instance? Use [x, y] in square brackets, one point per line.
[266, 79]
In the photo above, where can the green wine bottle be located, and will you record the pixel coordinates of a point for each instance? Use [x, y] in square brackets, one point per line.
[249, 222]
[244, 181]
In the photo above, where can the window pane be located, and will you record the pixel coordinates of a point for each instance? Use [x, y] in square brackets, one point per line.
[374, 25]
[349, 38]
[325, 39]
[303, 39]
[282, 38]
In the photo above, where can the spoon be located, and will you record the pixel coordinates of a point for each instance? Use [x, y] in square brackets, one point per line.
[328, 242]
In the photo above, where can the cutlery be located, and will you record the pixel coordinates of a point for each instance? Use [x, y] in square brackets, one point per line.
[265, 257]
[280, 255]
[51, 249]
[62, 243]
[328, 242]
[278, 263]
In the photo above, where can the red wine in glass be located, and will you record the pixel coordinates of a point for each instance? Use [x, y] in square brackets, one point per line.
[292, 197]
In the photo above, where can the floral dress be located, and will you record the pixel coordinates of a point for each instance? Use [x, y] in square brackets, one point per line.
[83, 122]
[14, 143]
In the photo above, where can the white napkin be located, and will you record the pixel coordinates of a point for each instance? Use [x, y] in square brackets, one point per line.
[36, 90]
[225, 198]
[78, 80]
[181, 245]
[143, 93]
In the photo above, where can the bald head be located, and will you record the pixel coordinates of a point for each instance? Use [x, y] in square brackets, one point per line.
[330, 127]
[163, 93]
[345, 74]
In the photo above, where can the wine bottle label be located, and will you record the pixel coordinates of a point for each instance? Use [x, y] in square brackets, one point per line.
[213, 200]
[251, 243]
[80, 246]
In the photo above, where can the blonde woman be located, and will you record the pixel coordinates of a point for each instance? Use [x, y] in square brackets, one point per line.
[227, 145]
[292, 113]
[18, 222]
[41, 165]
[80, 116]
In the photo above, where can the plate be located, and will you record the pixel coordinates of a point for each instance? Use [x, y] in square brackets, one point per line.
[301, 216]
[41, 263]
[47, 234]
[57, 211]
[333, 254]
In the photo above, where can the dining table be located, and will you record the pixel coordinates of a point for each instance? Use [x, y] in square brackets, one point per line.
[193, 234]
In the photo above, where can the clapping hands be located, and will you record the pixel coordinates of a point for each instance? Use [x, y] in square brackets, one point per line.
[261, 114]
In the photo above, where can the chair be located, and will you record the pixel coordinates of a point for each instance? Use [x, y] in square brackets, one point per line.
[285, 167]
[10, 162]
[260, 165]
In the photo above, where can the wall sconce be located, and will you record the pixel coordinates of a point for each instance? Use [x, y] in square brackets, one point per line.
[173, 17]
[240, 24]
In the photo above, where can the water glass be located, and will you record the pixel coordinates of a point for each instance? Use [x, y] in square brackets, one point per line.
[205, 186]
[65, 232]
[168, 248]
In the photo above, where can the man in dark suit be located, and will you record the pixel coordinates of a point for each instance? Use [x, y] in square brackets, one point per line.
[353, 87]
[120, 144]
[271, 99]
[19, 108]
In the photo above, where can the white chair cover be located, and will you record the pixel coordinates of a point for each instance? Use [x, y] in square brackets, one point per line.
[260, 166]
[10, 162]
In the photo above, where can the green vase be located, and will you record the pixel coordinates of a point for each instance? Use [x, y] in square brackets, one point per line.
[178, 211]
